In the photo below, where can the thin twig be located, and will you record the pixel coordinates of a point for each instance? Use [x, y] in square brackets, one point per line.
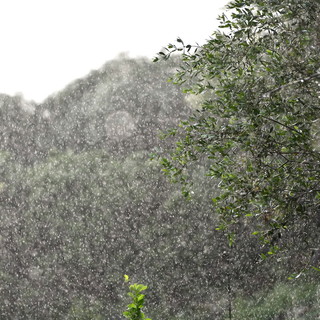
[282, 124]
[268, 93]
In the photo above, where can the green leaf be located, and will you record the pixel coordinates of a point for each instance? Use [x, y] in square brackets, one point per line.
[126, 278]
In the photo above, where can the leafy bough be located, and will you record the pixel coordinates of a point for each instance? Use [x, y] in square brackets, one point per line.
[258, 127]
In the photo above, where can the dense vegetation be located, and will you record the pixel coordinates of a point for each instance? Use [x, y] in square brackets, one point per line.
[257, 127]
[82, 204]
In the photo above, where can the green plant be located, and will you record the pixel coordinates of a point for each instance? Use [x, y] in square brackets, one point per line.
[258, 124]
[290, 301]
[134, 309]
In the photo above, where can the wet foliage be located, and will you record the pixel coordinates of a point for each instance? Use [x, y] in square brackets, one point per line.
[82, 203]
[77, 215]
[258, 77]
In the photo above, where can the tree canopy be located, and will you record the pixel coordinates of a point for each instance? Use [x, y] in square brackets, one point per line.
[258, 78]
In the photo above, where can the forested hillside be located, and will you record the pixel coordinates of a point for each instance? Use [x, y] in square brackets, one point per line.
[82, 202]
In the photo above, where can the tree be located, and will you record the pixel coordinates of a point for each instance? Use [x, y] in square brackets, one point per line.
[77, 215]
[258, 126]
[120, 107]
[70, 227]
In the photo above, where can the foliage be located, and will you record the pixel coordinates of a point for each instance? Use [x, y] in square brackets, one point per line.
[73, 223]
[134, 310]
[78, 196]
[81, 204]
[16, 118]
[85, 310]
[79, 229]
[283, 301]
[258, 125]
[119, 107]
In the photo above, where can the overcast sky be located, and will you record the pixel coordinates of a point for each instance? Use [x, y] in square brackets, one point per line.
[45, 44]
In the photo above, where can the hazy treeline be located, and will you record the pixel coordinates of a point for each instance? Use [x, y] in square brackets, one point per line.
[82, 204]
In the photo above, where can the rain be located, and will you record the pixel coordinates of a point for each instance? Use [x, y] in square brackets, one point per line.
[84, 199]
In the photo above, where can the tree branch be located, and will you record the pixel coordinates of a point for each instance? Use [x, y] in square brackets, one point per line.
[269, 93]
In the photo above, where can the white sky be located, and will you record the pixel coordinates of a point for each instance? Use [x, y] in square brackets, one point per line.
[45, 44]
